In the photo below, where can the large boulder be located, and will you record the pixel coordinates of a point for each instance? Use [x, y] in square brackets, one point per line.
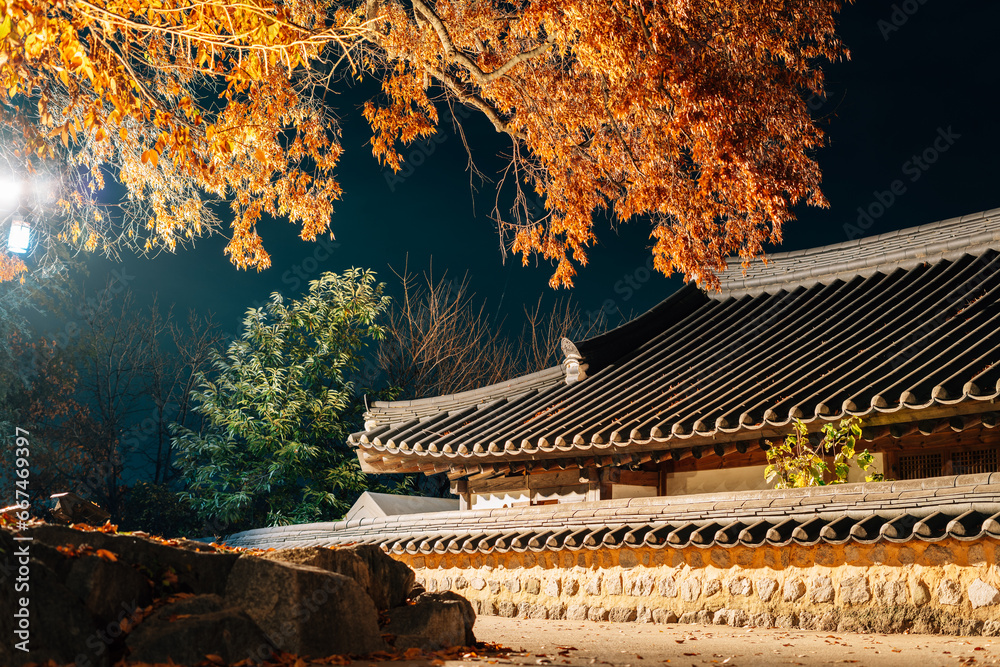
[187, 568]
[188, 630]
[107, 588]
[433, 621]
[386, 581]
[305, 610]
[60, 626]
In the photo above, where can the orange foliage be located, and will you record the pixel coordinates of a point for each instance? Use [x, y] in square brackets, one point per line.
[188, 100]
[688, 113]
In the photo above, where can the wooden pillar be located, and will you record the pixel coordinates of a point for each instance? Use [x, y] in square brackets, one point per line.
[460, 488]
[593, 478]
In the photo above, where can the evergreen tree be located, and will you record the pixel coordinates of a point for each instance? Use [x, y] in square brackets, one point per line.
[278, 407]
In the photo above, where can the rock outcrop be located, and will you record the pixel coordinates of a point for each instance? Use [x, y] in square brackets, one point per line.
[94, 598]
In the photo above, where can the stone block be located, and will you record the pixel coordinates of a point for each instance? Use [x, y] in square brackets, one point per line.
[273, 594]
[667, 587]
[627, 558]
[552, 588]
[937, 554]
[740, 586]
[478, 583]
[712, 586]
[570, 586]
[688, 617]
[103, 586]
[762, 620]
[854, 590]
[533, 586]
[643, 586]
[58, 632]
[538, 611]
[766, 586]
[184, 632]
[892, 593]
[793, 590]
[433, 621]
[982, 594]
[461, 583]
[737, 618]
[787, 621]
[613, 584]
[821, 589]
[557, 612]
[507, 609]
[720, 558]
[576, 612]
[494, 587]
[721, 617]
[704, 617]
[690, 589]
[593, 586]
[597, 614]
[827, 622]
[949, 592]
[444, 584]
[386, 580]
[513, 585]
[663, 616]
[622, 614]
[920, 593]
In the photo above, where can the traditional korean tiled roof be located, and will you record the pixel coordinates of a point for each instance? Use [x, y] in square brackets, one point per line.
[963, 507]
[896, 328]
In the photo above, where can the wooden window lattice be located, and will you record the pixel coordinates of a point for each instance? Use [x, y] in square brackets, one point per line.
[967, 463]
[918, 466]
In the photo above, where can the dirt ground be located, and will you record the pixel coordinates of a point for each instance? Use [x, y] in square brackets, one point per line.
[538, 642]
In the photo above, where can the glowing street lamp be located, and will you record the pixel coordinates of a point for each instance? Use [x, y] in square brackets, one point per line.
[19, 237]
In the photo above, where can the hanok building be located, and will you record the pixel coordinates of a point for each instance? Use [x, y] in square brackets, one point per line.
[647, 445]
[900, 330]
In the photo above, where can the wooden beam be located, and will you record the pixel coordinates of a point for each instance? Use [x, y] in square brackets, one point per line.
[520, 482]
[638, 478]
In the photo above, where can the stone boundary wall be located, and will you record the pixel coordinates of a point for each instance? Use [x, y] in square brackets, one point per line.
[948, 587]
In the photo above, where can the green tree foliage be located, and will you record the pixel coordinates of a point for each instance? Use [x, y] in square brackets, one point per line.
[279, 406]
[794, 462]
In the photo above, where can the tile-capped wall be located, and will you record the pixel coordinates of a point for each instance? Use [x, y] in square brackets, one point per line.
[950, 586]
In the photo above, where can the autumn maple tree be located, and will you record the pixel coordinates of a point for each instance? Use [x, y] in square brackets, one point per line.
[687, 114]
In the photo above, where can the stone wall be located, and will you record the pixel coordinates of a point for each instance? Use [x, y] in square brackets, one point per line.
[949, 586]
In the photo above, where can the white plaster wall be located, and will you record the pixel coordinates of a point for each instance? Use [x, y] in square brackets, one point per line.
[490, 501]
[749, 478]
[632, 491]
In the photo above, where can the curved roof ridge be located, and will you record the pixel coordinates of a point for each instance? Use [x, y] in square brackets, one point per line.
[901, 249]
[394, 411]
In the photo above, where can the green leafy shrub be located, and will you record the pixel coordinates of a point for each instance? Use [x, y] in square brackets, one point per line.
[278, 406]
[794, 462]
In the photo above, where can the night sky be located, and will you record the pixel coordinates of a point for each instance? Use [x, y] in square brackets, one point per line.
[921, 71]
